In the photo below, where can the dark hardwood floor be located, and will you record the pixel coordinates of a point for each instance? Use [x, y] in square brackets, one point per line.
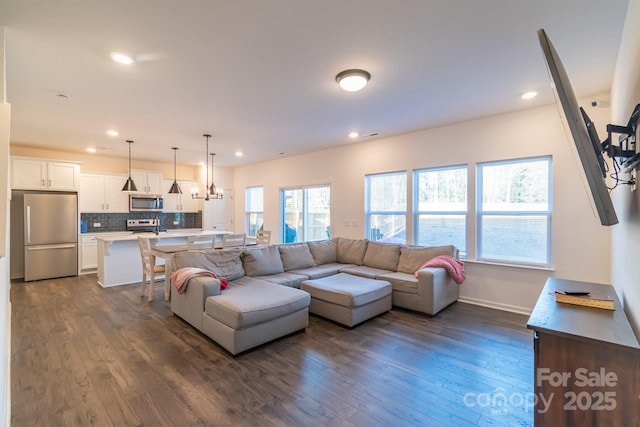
[83, 355]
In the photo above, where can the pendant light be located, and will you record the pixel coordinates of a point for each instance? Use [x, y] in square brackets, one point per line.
[175, 188]
[214, 193]
[194, 194]
[129, 185]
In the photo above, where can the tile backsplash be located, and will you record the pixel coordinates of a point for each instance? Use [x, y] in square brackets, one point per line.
[118, 221]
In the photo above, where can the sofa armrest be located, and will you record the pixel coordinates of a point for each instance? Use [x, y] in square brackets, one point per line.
[190, 305]
[436, 290]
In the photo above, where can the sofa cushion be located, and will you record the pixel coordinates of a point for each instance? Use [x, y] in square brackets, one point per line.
[350, 251]
[323, 251]
[262, 261]
[412, 257]
[250, 302]
[226, 263]
[296, 256]
[382, 255]
[401, 282]
[364, 271]
[287, 278]
[323, 270]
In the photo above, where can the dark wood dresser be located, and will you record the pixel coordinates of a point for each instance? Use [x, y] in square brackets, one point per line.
[587, 361]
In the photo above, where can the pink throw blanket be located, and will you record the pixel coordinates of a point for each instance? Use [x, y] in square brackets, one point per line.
[181, 277]
[454, 267]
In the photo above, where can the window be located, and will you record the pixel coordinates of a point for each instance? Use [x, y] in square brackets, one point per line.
[440, 212]
[386, 206]
[514, 211]
[306, 214]
[254, 209]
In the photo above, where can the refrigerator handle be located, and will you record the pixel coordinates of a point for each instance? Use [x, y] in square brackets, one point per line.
[28, 224]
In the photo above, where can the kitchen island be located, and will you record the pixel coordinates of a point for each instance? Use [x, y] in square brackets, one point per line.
[119, 261]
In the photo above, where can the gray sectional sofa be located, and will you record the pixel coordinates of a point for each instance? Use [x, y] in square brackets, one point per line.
[263, 301]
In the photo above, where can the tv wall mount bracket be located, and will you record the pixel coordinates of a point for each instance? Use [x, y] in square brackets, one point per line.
[625, 151]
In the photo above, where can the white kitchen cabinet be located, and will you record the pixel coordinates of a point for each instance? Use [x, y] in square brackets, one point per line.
[40, 174]
[148, 182]
[88, 254]
[179, 202]
[89, 250]
[102, 193]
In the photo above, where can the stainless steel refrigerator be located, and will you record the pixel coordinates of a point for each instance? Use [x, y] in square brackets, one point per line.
[50, 235]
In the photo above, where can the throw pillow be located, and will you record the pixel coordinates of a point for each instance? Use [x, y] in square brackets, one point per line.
[296, 256]
[382, 255]
[323, 251]
[262, 261]
[351, 251]
[412, 257]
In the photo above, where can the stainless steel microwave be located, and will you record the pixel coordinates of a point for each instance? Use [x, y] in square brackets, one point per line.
[145, 203]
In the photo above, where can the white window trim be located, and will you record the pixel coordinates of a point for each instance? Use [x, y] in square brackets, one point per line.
[548, 213]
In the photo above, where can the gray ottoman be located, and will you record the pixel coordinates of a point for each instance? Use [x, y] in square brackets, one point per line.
[348, 299]
[251, 312]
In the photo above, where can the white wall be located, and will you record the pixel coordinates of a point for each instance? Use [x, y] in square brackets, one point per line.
[5, 304]
[625, 94]
[581, 246]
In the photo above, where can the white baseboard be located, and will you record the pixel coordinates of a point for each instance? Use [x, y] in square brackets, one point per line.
[496, 305]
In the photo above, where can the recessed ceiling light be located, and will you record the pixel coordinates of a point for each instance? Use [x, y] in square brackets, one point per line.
[91, 150]
[122, 58]
[239, 154]
[353, 134]
[529, 95]
[112, 132]
[353, 80]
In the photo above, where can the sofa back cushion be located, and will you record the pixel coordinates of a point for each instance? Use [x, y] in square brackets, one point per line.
[226, 263]
[351, 251]
[382, 255]
[262, 261]
[323, 251]
[412, 257]
[296, 256]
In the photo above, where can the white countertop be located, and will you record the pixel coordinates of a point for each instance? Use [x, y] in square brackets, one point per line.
[162, 235]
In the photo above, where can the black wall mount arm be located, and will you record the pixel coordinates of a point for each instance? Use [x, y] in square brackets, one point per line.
[626, 149]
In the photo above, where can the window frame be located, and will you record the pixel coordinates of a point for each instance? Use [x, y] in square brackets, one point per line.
[480, 213]
[247, 203]
[305, 210]
[416, 212]
[368, 213]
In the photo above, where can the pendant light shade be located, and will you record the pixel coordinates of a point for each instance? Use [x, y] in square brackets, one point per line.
[175, 188]
[129, 185]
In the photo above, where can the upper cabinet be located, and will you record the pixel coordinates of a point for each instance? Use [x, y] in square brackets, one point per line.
[147, 182]
[102, 193]
[37, 174]
[179, 202]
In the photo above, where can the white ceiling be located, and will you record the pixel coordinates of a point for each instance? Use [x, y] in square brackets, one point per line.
[260, 74]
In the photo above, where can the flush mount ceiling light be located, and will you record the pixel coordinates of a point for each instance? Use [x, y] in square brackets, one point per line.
[121, 58]
[129, 185]
[353, 80]
[175, 188]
